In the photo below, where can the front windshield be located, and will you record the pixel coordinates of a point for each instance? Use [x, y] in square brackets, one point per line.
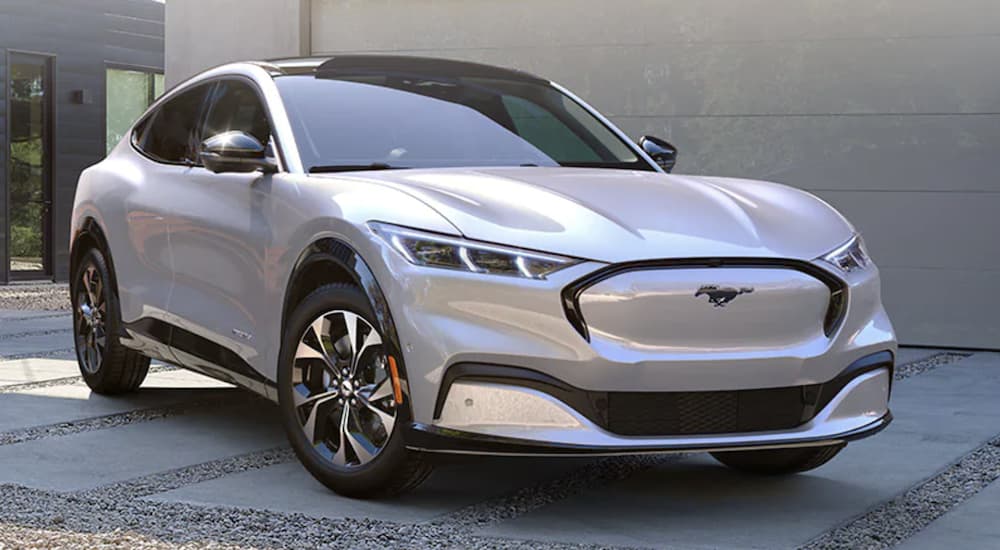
[402, 121]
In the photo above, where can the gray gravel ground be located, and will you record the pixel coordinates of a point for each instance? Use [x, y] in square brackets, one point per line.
[117, 516]
[49, 296]
[921, 366]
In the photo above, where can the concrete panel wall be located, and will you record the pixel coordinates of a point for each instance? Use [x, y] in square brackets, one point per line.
[889, 110]
[202, 34]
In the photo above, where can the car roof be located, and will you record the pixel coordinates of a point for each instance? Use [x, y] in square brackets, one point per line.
[380, 64]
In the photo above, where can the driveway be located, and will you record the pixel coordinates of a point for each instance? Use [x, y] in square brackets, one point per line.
[190, 462]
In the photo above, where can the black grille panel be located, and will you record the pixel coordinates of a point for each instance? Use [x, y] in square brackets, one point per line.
[709, 412]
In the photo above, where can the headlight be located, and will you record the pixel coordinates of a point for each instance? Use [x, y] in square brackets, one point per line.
[849, 257]
[434, 250]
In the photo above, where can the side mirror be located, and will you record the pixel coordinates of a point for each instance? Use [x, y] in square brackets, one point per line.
[661, 151]
[235, 151]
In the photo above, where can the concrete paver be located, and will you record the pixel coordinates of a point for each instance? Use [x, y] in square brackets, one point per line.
[940, 415]
[23, 371]
[90, 459]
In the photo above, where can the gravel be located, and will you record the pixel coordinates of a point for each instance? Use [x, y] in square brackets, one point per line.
[50, 297]
[892, 522]
[921, 366]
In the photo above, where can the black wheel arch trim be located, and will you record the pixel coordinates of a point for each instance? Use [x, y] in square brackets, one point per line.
[349, 260]
[423, 437]
[838, 288]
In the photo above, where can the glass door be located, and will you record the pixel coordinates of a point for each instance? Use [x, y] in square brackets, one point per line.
[30, 166]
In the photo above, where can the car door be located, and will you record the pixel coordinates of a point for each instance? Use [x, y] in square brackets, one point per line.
[139, 233]
[217, 241]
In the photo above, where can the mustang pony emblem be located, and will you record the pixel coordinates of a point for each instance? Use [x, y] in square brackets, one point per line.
[720, 296]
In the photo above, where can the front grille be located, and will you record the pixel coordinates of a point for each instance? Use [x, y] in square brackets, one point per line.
[707, 412]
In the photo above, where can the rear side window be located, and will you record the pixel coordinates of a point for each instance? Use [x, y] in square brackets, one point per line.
[170, 133]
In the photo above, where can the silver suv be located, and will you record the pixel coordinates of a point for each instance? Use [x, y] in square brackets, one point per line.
[416, 256]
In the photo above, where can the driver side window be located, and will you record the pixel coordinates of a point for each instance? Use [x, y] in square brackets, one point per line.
[235, 105]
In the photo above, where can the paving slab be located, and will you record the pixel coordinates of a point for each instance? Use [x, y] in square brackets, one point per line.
[54, 404]
[940, 415]
[8, 327]
[972, 524]
[23, 371]
[36, 343]
[289, 488]
[90, 459]
[8, 314]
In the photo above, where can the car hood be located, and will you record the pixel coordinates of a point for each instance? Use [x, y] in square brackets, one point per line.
[621, 215]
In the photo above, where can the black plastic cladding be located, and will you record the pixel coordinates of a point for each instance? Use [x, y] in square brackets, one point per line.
[350, 261]
[835, 311]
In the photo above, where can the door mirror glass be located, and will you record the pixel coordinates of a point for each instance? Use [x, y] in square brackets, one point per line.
[660, 150]
[235, 151]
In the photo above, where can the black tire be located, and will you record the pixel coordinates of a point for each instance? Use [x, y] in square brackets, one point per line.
[394, 469]
[779, 461]
[116, 369]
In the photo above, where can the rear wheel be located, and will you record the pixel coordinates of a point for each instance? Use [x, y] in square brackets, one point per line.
[107, 366]
[338, 399]
[779, 461]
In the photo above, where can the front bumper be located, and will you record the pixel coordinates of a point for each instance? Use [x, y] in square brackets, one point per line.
[446, 319]
[502, 410]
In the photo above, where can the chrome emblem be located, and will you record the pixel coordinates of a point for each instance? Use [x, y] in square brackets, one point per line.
[720, 296]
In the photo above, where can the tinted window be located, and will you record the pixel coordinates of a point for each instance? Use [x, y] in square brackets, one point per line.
[235, 105]
[169, 134]
[427, 121]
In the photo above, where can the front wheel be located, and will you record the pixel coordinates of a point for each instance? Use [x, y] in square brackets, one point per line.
[338, 397]
[779, 461]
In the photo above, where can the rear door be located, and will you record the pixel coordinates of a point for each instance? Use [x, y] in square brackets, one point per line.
[140, 241]
[218, 241]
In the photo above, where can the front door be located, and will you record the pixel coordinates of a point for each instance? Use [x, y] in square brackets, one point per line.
[29, 169]
[218, 235]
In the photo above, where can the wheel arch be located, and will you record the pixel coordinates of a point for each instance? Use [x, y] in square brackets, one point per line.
[91, 235]
[331, 260]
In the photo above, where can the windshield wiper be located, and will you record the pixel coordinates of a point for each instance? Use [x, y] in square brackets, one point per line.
[354, 167]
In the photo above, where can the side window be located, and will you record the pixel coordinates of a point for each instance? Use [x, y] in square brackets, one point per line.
[546, 132]
[168, 135]
[235, 105]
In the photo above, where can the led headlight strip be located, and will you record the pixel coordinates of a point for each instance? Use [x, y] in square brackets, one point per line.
[434, 250]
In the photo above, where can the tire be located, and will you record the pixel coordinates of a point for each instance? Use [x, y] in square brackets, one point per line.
[316, 400]
[779, 461]
[106, 365]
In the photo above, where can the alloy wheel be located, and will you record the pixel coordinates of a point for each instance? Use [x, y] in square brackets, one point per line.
[342, 389]
[91, 333]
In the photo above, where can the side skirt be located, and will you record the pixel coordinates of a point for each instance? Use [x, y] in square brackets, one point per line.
[167, 342]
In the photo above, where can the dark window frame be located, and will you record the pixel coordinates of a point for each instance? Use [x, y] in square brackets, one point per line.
[212, 84]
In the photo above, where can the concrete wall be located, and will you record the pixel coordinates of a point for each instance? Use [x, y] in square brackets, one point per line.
[205, 33]
[888, 109]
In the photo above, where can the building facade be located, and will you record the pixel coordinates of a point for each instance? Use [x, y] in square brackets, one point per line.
[888, 110]
[75, 74]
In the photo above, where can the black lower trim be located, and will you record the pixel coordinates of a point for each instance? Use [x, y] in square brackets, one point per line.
[216, 360]
[422, 437]
[677, 413]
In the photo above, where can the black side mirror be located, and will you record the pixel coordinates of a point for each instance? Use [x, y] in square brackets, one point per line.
[235, 151]
[660, 150]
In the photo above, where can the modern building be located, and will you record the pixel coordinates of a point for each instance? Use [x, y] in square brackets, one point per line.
[888, 110]
[75, 74]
